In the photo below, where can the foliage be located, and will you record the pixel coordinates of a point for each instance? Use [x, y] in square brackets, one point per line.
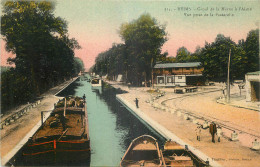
[112, 61]
[78, 65]
[44, 53]
[4, 68]
[251, 48]
[214, 56]
[143, 39]
[14, 89]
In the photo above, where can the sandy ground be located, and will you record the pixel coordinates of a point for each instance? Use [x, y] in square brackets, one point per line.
[12, 134]
[226, 152]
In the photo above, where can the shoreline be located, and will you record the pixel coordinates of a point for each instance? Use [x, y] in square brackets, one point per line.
[26, 126]
[163, 131]
[180, 125]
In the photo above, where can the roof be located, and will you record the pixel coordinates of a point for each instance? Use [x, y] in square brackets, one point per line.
[172, 65]
[253, 73]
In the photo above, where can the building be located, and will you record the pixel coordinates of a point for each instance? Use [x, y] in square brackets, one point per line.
[252, 86]
[178, 74]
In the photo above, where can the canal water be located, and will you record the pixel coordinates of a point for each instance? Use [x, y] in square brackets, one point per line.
[111, 126]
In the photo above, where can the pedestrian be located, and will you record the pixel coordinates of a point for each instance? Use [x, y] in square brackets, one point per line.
[213, 130]
[198, 132]
[84, 97]
[219, 132]
[136, 103]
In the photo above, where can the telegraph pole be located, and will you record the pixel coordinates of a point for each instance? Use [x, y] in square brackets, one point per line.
[228, 82]
[152, 73]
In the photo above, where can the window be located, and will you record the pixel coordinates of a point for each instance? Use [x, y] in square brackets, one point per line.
[169, 80]
[179, 77]
[160, 80]
[176, 68]
[188, 68]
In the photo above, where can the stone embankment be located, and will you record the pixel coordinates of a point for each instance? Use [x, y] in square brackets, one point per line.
[176, 117]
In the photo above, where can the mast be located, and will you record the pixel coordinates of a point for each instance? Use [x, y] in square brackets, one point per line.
[64, 114]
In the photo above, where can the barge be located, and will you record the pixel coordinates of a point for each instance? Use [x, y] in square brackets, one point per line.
[63, 138]
[143, 151]
[96, 82]
[176, 155]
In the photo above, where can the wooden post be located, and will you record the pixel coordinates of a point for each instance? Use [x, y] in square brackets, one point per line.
[42, 118]
[152, 72]
[152, 79]
[228, 82]
[65, 103]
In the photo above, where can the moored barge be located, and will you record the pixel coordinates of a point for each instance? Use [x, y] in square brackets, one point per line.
[177, 155]
[63, 138]
[143, 151]
[96, 82]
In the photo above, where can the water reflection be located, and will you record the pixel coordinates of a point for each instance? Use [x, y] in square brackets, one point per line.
[111, 126]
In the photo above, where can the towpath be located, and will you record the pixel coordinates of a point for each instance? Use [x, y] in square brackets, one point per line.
[203, 105]
[13, 134]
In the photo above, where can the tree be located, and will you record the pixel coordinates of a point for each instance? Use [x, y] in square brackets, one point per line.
[143, 39]
[112, 61]
[214, 58]
[28, 28]
[183, 55]
[44, 53]
[78, 65]
[251, 48]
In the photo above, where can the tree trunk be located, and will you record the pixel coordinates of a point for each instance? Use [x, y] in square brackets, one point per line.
[145, 81]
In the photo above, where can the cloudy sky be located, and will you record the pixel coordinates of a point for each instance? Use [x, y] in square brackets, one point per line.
[95, 23]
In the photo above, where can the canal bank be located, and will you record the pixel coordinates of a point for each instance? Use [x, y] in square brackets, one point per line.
[111, 126]
[15, 135]
[223, 153]
[163, 131]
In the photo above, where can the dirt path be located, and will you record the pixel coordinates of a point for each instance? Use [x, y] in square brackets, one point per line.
[12, 134]
[238, 118]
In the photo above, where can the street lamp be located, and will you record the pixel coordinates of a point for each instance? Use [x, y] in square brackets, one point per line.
[228, 84]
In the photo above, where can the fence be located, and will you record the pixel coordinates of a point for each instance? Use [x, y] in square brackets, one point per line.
[12, 118]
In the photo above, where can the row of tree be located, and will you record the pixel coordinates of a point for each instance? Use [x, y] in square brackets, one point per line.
[143, 39]
[44, 52]
[214, 56]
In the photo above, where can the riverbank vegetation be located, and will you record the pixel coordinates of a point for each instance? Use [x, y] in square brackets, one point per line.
[141, 50]
[44, 53]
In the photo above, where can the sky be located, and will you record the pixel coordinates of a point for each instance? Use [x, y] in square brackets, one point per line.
[95, 23]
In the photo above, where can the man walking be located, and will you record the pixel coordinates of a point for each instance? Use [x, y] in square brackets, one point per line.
[136, 103]
[213, 130]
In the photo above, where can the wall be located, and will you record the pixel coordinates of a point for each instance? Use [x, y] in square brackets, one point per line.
[251, 87]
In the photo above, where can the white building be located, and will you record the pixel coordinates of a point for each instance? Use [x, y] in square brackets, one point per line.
[252, 86]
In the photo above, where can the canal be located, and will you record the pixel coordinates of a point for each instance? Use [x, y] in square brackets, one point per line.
[111, 126]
